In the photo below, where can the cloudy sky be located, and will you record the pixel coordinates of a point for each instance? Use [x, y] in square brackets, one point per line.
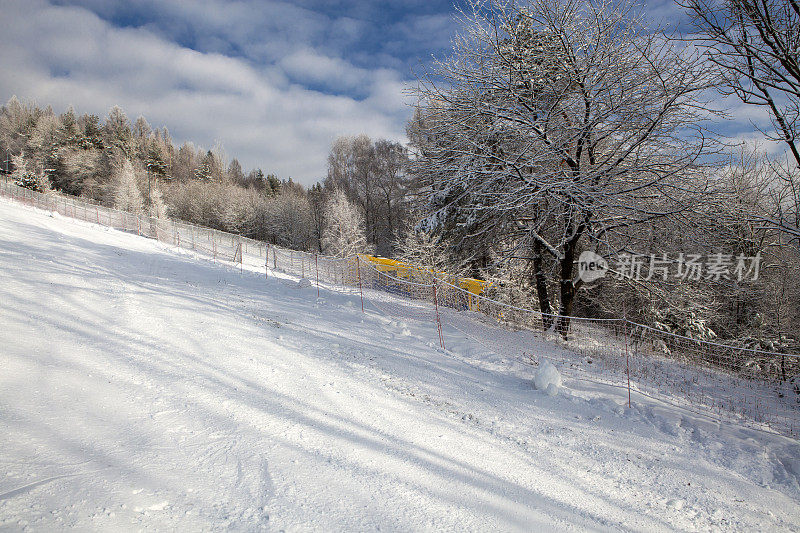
[272, 82]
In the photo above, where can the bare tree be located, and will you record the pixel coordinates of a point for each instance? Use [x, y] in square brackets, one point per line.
[373, 176]
[756, 46]
[141, 132]
[185, 162]
[391, 160]
[292, 222]
[557, 124]
[234, 172]
[352, 169]
[117, 131]
[82, 171]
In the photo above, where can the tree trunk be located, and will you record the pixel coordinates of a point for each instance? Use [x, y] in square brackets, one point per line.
[567, 284]
[540, 279]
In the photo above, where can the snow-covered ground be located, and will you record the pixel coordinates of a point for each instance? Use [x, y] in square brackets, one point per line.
[143, 387]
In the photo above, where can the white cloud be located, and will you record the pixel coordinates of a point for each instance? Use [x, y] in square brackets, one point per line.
[308, 66]
[754, 140]
[260, 112]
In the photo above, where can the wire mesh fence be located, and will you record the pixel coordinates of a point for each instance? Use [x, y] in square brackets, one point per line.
[752, 386]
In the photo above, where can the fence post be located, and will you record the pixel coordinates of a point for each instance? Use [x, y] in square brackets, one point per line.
[266, 263]
[316, 267]
[360, 289]
[438, 321]
[627, 363]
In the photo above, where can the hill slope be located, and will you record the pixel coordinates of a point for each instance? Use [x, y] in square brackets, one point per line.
[143, 387]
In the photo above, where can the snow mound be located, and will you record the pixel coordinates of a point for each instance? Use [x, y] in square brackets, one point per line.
[547, 378]
[676, 504]
[303, 283]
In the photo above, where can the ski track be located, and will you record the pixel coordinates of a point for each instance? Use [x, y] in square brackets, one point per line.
[143, 387]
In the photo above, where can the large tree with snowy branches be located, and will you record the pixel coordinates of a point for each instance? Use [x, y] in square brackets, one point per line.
[556, 126]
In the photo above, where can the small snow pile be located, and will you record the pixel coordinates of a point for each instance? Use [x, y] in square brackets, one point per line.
[676, 504]
[547, 378]
[303, 283]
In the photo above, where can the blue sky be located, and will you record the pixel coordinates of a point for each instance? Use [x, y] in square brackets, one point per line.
[271, 82]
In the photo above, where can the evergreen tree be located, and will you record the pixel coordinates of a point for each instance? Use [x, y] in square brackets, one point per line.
[117, 131]
[34, 181]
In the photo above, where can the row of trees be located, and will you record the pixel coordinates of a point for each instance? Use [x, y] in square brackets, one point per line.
[137, 168]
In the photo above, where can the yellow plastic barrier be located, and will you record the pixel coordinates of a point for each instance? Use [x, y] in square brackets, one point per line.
[473, 286]
[401, 270]
[382, 264]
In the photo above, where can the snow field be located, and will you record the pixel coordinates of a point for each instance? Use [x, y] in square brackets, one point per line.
[144, 387]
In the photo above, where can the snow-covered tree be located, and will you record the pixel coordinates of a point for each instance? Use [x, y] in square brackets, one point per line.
[158, 208]
[117, 131]
[554, 126]
[211, 168]
[127, 196]
[28, 175]
[373, 175]
[291, 221]
[184, 163]
[427, 253]
[344, 234]
[16, 122]
[90, 132]
[234, 172]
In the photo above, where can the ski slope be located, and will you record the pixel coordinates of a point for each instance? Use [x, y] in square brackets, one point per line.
[143, 387]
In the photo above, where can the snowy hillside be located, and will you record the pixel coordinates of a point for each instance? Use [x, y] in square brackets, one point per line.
[143, 387]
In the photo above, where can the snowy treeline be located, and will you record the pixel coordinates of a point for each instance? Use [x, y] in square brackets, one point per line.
[137, 168]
